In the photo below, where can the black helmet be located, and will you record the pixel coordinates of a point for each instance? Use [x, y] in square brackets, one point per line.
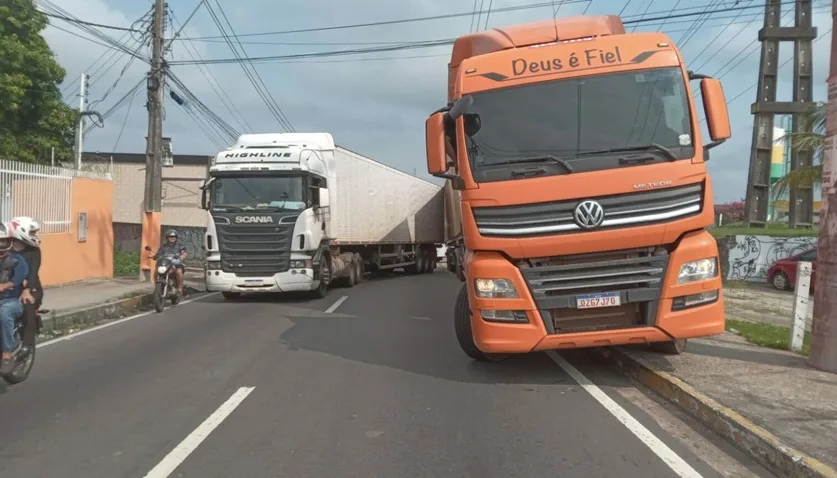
[171, 233]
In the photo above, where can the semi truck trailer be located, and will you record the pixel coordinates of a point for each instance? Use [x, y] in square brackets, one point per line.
[574, 157]
[293, 212]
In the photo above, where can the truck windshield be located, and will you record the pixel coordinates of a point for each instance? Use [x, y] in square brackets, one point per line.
[588, 123]
[248, 193]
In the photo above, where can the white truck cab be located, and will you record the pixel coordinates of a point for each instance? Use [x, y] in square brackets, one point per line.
[268, 199]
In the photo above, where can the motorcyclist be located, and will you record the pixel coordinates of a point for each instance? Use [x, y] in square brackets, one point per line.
[171, 247]
[13, 273]
[28, 244]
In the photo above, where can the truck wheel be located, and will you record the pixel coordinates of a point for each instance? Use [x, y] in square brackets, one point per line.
[672, 347]
[325, 276]
[429, 260]
[231, 295]
[351, 278]
[358, 263]
[464, 333]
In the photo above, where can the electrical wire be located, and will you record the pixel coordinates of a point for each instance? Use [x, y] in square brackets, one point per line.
[426, 44]
[82, 22]
[739, 95]
[125, 121]
[213, 82]
[399, 21]
[251, 73]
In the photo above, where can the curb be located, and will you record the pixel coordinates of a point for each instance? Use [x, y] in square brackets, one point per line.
[107, 311]
[750, 438]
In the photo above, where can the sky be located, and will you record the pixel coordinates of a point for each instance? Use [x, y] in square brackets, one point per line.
[376, 104]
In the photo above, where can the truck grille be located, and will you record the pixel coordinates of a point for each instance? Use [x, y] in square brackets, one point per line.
[637, 275]
[255, 250]
[623, 210]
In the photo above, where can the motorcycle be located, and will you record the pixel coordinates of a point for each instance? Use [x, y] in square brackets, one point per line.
[165, 286]
[25, 355]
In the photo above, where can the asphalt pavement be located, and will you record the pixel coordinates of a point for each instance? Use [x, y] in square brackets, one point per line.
[368, 382]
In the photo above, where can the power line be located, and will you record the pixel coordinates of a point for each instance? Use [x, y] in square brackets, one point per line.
[739, 95]
[82, 22]
[228, 103]
[427, 44]
[253, 76]
[399, 21]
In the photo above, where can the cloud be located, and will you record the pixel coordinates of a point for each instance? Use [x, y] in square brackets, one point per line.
[378, 106]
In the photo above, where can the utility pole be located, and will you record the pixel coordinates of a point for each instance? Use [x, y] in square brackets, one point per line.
[152, 204]
[82, 108]
[823, 353]
[766, 107]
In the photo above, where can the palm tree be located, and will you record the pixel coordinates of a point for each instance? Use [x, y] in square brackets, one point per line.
[811, 139]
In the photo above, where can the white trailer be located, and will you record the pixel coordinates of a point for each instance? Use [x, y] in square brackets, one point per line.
[294, 212]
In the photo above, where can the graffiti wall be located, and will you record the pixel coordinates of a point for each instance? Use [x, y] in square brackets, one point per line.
[749, 257]
[126, 237]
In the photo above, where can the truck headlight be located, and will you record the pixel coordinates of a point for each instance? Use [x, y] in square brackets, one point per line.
[495, 289]
[304, 264]
[213, 265]
[162, 269]
[697, 271]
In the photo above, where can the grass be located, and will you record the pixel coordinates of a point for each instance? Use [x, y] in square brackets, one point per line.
[772, 229]
[772, 336]
[125, 263]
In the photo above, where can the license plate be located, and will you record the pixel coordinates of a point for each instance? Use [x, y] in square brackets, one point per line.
[594, 301]
[253, 281]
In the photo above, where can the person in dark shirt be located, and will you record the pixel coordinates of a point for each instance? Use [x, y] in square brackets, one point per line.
[28, 244]
[171, 247]
[13, 273]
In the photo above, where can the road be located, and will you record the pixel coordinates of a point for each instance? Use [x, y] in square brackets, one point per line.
[376, 387]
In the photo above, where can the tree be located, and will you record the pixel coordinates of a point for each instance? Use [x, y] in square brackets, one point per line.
[812, 138]
[33, 117]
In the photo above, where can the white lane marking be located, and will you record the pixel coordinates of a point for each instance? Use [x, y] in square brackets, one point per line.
[672, 459]
[182, 451]
[335, 305]
[115, 322]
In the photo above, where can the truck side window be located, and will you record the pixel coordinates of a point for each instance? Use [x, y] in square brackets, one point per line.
[314, 184]
[451, 144]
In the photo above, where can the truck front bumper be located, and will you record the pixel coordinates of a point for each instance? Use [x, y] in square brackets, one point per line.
[297, 280]
[663, 317]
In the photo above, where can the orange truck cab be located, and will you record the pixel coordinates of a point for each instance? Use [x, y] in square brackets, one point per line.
[575, 151]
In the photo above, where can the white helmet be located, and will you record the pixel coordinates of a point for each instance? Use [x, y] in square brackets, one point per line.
[5, 237]
[25, 229]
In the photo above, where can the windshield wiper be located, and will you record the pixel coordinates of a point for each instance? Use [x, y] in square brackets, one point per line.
[545, 158]
[647, 147]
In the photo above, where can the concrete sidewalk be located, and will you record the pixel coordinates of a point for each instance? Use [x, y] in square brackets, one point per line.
[767, 402]
[76, 305]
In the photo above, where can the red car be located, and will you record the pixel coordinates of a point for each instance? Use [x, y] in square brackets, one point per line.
[782, 274]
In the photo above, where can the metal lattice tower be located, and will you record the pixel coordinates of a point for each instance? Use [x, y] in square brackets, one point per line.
[802, 34]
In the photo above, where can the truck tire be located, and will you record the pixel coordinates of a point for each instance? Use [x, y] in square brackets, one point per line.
[672, 347]
[429, 260]
[325, 276]
[464, 333]
[358, 265]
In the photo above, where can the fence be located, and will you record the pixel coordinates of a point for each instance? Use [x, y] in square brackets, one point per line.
[39, 191]
[771, 317]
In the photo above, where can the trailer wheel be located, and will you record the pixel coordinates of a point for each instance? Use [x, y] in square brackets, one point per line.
[432, 260]
[464, 333]
[358, 265]
[426, 265]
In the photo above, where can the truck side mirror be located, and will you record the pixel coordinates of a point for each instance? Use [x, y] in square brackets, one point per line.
[204, 200]
[715, 106]
[434, 130]
[323, 197]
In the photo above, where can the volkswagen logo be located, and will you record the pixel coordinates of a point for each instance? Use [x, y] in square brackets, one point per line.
[588, 214]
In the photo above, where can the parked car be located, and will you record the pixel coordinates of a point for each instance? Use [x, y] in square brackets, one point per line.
[782, 274]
